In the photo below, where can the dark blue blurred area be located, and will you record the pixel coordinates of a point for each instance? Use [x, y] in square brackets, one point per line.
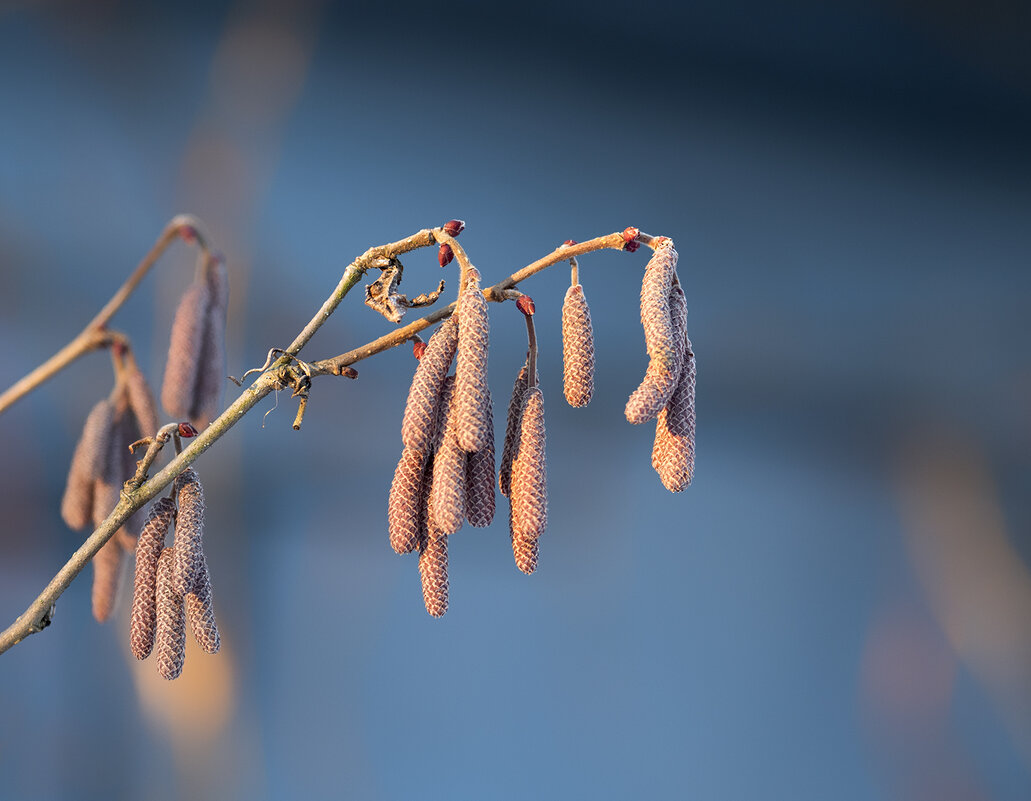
[839, 607]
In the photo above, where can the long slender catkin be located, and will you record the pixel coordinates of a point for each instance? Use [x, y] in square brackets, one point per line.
[107, 569]
[144, 599]
[211, 358]
[655, 313]
[200, 612]
[529, 470]
[433, 572]
[674, 450]
[403, 502]
[508, 449]
[577, 348]
[87, 464]
[448, 493]
[480, 502]
[141, 400]
[525, 551]
[658, 386]
[419, 425]
[472, 418]
[189, 533]
[170, 628]
[182, 369]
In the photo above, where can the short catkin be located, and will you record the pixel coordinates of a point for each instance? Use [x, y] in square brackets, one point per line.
[88, 463]
[189, 533]
[144, 598]
[480, 502]
[529, 470]
[419, 425]
[403, 502]
[577, 348]
[170, 626]
[448, 493]
[472, 418]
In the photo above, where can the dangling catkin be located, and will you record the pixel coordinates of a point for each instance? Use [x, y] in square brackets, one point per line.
[577, 348]
[141, 400]
[673, 453]
[658, 386]
[182, 369]
[472, 418]
[87, 464]
[189, 533]
[107, 569]
[515, 412]
[200, 612]
[525, 551]
[144, 599]
[655, 313]
[529, 471]
[419, 425]
[448, 493]
[170, 628]
[403, 502]
[211, 358]
[479, 478]
[433, 572]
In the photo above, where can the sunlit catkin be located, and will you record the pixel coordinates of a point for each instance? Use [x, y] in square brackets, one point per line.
[525, 551]
[87, 464]
[655, 313]
[433, 572]
[189, 533]
[419, 425]
[508, 448]
[170, 627]
[674, 450]
[403, 502]
[577, 348]
[658, 386]
[480, 502]
[200, 612]
[529, 471]
[107, 569]
[144, 597]
[472, 413]
[448, 493]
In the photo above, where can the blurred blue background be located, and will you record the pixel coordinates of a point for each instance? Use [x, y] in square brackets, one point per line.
[839, 607]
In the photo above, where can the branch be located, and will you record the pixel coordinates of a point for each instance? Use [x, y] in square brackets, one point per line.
[95, 335]
[135, 495]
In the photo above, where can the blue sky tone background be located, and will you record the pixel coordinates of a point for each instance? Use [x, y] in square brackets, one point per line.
[840, 607]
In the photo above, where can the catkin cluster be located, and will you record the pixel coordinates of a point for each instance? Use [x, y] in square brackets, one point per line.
[101, 464]
[172, 586]
[196, 366]
[668, 389]
[446, 472]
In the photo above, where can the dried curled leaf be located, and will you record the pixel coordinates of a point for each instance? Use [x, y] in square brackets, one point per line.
[577, 348]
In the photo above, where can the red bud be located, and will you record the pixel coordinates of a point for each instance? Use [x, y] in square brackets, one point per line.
[348, 372]
[188, 234]
[186, 430]
[525, 305]
[569, 242]
[418, 348]
[445, 254]
[454, 227]
[631, 246]
[631, 234]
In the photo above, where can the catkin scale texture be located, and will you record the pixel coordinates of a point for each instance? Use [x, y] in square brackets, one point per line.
[211, 357]
[472, 418]
[189, 533]
[655, 312]
[170, 628]
[200, 612]
[87, 464]
[182, 369]
[577, 348]
[529, 470]
[433, 572]
[659, 384]
[508, 448]
[403, 502]
[674, 450]
[480, 502]
[143, 618]
[418, 427]
[448, 492]
[107, 569]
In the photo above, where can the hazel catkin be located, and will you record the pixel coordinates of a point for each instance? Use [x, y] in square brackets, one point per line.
[480, 501]
[419, 425]
[448, 492]
[88, 463]
[189, 532]
[472, 418]
[144, 600]
[577, 348]
[529, 486]
[170, 626]
[403, 501]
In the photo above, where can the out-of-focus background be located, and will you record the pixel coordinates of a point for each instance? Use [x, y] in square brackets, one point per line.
[839, 607]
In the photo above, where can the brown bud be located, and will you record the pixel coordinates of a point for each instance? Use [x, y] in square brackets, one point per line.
[200, 612]
[170, 626]
[445, 254]
[418, 348]
[448, 492]
[404, 501]
[419, 425]
[189, 532]
[433, 571]
[577, 348]
[525, 304]
[144, 599]
[529, 470]
[569, 242]
[479, 478]
[472, 414]
[454, 227]
[88, 463]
